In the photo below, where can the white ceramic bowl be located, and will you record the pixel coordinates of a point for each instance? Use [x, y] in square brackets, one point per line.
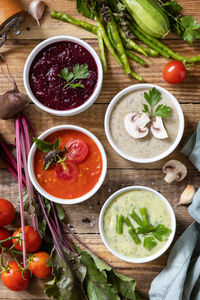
[98, 86]
[148, 258]
[118, 98]
[60, 200]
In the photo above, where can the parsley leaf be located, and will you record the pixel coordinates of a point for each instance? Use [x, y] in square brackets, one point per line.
[161, 232]
[79, 72]
[162, 111]
[154, 97]
[149, 242]
[185, 26]
[172, 7]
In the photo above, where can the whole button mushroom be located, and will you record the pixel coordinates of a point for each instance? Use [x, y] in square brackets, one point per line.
[174, 170]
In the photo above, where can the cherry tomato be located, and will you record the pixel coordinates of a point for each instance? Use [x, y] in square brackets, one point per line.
[7, 212]
[38, 265]
[174, 72]
[77, 151]
[4, 234]
[13, 278]
[67, 171]
[32, 239]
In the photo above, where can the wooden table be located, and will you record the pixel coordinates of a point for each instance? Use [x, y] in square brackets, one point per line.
[120, 173]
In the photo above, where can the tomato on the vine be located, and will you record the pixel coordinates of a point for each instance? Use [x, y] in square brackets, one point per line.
[14, 277]
[4, 234]
[174, 72]
[32, 239]
[38, 265]
[7, 212]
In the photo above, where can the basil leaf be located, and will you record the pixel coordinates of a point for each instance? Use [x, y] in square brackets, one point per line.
[149, 242]
[56, 145]
[161, 232]
[43, 145]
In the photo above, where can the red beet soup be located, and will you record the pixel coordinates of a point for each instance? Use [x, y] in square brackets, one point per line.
[49, 88]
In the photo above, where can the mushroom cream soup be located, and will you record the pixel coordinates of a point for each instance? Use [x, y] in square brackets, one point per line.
[148, 146]
[123, 204]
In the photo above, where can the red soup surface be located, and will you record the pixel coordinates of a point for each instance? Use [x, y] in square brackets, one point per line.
[86, 174]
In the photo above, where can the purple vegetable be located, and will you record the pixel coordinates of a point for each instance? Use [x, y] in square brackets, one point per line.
[11, 102]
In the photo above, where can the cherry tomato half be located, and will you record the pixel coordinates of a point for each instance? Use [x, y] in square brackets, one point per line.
[32, 239]
[77, 151]
[4, 234]
[7, 212]
[38, 265]
[174, 72]
[13, 278]
[67, 171]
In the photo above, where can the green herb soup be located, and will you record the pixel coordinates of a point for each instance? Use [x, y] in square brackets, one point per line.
[158, 213]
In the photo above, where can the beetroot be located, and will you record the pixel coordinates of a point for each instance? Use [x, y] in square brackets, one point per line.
[11, 102]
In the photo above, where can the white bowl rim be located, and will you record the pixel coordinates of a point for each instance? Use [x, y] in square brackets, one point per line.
[97, 88]
[85, 196]
[143, 259]
[139, 87]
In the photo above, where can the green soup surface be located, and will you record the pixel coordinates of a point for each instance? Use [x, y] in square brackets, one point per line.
[123, 204]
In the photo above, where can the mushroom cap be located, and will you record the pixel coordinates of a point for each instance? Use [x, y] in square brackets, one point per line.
[177, 168]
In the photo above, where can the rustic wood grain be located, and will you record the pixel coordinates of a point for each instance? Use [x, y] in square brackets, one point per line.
[120, 173]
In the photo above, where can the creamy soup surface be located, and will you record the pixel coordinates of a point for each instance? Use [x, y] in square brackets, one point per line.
[123, 204]
[148, 146]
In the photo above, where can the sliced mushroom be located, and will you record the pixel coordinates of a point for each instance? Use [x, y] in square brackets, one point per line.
[187, 195]
[158, 129]
[174, 170]
[135, 125]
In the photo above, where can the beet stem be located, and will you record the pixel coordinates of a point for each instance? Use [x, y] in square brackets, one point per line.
[11, 76]
[19, 172]
[28, 185]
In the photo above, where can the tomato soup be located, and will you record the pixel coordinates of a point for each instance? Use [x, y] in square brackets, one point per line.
[82, 176]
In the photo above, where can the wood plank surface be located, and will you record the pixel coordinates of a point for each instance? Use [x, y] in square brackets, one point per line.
[120, 173]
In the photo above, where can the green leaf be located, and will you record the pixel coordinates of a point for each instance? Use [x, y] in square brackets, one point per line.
[146, 109]
[56, 145]
[161, 232]
[60, 211]
[162, 111]
[153, 97]
[123, 284]
[81, 71]
[67, 279]
[86, 8]
[149, 242]
[52, 290]
[75, 85]
[172, 6]
[43, 145]
[66, 74]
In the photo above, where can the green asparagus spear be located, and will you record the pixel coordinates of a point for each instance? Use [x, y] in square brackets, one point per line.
[66, 18]
[119, 224]
[102, 51]
[134, 235]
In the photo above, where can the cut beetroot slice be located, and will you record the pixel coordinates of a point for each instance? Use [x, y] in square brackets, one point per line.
[77, 151]
[67, 171]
